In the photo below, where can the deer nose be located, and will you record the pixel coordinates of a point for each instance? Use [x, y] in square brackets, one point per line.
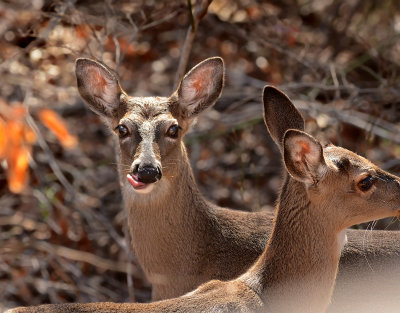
[147, 174]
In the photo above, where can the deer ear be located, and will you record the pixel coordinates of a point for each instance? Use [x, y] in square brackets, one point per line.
[303, 157]
[280, 114]
[99, 87]
[201, 87]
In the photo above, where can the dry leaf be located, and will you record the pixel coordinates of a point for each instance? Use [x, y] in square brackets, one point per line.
[54, 122]
[18, 169]
[3, 139]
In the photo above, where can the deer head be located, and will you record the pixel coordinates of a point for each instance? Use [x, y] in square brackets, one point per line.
[363, 191]
[150, 129]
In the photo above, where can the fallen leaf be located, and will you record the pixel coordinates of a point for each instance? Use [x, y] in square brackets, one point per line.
[54, 122]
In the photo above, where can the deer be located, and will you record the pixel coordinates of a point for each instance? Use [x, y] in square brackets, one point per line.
[180, 239]
[325, 190]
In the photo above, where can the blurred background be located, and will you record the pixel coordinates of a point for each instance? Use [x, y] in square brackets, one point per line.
[62, 233]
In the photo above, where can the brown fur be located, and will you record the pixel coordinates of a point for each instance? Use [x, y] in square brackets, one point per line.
[297, 270]
[180, 239]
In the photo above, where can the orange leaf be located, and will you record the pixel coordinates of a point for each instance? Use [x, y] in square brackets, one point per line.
[82, 31]
[18, 111]
[54, 122]
[15, 133]
[3, 139]
[29, 135]
[18, 170]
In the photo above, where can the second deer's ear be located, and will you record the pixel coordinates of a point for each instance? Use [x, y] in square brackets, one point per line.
[303, 157]
[280, 114]
[201, 87]
[99, 87]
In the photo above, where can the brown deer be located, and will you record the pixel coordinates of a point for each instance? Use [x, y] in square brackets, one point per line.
[325, 190]
[180, 239]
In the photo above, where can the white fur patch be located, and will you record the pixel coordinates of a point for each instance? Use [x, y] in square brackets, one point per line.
[135, 197]
[145, 190]
[191, 293]
[342, 239]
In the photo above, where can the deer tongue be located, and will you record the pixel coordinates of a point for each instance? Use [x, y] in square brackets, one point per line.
[133, 180]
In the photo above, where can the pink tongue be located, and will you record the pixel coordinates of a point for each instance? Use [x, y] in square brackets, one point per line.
[133, 181]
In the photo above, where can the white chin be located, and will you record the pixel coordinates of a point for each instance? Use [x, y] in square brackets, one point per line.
[145, 190]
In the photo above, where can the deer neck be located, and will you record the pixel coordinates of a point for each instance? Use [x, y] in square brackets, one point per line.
[174, 198]
[297, 270]
[159, 222]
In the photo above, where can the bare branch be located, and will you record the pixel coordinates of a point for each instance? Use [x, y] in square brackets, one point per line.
[83, 256]
[43, 144]
[200, 10]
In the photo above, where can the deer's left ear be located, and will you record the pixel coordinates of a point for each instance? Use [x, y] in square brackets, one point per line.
[99, 87]
[280, 114]
[201, 87]
[303, 156]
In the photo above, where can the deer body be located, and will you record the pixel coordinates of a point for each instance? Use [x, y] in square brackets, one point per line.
[180, 239]
[297, 269]
[165, 219]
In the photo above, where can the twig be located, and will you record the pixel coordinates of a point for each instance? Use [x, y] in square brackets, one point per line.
[42, 142]
[252, 112]
[62, 8]
[83, 256]
[49, 290]
[351, 88]
[23, 221]
[361, 120]
[128, 251]
[192, 22]
[117, 50]
[52, 161]
[134, 32]
[335, 80]
[99, 41]
[200, 10]
[160, 21]
[390, 164]
[43, 35]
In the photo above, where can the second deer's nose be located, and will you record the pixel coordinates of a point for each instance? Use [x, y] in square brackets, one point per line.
[148, 174]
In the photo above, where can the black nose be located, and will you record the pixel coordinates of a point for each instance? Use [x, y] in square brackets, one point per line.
[148, 174]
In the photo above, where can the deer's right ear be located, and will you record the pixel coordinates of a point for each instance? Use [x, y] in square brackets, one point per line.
[303, 156]
[201, 87]
[280, 114]
[99, 87]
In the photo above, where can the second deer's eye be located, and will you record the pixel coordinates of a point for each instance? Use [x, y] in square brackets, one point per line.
[172, 131]
[122, 131]
[366, 183]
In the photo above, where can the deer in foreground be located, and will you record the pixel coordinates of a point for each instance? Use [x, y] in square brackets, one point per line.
[180, 239]
[325, 191]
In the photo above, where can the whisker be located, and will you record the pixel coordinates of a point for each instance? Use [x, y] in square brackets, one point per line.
[392, 221]
[121, 164]
[364, 240]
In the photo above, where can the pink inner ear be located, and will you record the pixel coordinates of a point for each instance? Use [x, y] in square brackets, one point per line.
[305, 146]
[97, 81]
[305, 149]
[201, 80]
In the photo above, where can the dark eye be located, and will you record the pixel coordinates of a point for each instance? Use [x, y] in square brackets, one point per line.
[366, 183]
[172, 132]
[122, 131]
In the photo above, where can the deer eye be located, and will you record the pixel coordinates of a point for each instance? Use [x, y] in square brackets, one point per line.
[172, 131]
[366, 183]
[122, 131]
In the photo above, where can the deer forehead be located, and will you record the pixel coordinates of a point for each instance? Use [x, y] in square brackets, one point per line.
[148, 112]
[148, 107]
[347, 160]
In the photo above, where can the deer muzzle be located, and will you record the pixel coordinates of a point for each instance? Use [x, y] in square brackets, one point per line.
[142, 178]
[149, 174]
